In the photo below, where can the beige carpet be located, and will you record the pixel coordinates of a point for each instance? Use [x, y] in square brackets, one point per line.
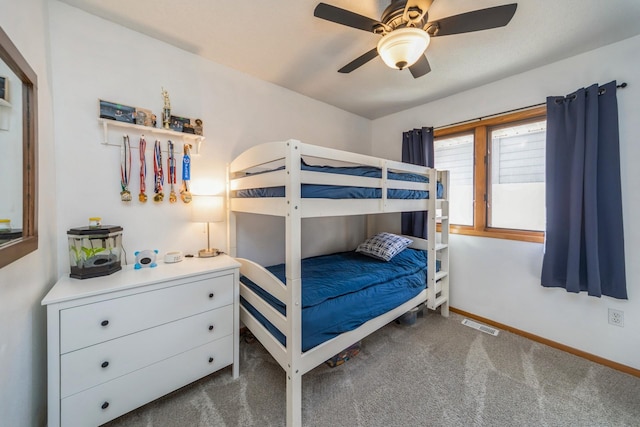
[434, 373]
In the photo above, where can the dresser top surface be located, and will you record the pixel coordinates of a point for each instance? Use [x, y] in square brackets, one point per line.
[68, 288]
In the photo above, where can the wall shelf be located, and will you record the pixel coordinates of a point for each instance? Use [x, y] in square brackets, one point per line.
[106, 123]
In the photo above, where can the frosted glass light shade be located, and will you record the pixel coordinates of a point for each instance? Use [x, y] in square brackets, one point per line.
[403, 47]
[207, 208]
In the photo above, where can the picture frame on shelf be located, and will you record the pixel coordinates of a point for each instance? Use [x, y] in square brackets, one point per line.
[145, 117]
[4, 88]
[118, 112]
[186, 125]
[178, 123]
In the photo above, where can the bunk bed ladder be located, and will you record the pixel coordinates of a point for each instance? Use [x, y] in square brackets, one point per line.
[439, 295]
[442, 248]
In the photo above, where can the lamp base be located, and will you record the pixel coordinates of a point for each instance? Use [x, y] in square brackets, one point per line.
[208, 253]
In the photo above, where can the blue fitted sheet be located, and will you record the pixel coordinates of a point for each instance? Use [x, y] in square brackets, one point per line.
[347, 192]
[342, 291]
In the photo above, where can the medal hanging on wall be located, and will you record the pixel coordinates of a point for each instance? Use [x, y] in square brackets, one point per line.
[185, 194]
[142, 197]
[171, 166]
[125, 169]
[158, 174]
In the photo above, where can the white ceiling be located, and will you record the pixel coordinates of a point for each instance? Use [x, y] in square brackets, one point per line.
[280, 41]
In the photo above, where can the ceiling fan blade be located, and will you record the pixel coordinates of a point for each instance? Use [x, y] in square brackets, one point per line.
[420, 68]
[359, 61]
[344, 17]
[477, 20]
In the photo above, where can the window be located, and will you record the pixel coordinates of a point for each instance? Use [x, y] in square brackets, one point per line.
[497, 170]
[516, 178]
[455, 154]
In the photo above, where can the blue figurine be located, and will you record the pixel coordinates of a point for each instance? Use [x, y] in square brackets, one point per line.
[146, 258]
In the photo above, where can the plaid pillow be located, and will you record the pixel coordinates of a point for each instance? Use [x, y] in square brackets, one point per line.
[384, 246]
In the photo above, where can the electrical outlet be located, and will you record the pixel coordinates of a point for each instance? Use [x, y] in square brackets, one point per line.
[616, 317]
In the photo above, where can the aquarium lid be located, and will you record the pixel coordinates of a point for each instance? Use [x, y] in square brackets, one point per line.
[101, 230]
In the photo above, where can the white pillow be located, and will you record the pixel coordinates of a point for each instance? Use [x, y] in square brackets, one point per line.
[383, 246]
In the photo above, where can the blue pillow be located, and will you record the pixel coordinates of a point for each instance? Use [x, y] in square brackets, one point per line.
[383, 246]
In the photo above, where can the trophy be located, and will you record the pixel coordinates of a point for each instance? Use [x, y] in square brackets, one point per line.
[166, 111]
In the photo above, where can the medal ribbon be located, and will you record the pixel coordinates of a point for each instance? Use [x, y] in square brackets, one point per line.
[125, 163]
[171, 164]
[185, 194]
[157, 170]
[186, 164]
[125, 166]
[143, 168]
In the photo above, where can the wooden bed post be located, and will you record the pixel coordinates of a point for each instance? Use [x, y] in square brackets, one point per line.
[293, 251]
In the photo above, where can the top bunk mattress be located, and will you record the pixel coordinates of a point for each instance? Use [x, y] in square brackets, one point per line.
[346, 192]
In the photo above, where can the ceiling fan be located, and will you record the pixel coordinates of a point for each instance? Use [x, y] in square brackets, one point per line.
[406, 30]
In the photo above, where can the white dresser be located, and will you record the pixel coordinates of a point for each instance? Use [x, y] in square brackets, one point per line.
[120, 341]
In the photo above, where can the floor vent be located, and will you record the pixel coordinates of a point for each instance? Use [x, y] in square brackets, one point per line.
[479, 326]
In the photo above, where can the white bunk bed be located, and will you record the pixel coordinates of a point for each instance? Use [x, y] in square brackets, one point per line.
[294, 208]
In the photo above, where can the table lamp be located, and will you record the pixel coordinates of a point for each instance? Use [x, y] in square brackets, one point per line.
[207, 209]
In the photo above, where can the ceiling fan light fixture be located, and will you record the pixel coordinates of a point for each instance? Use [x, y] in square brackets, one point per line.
[403, 47]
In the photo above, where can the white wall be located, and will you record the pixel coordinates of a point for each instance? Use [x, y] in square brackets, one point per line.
[78, 178]
[94, 59]
[499, 279]
[24, 283]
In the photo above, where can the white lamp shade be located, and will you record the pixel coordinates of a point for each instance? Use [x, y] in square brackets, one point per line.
[403, 47]
[207, 208]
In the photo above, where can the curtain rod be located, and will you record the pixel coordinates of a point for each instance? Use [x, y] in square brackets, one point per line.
[620, 86]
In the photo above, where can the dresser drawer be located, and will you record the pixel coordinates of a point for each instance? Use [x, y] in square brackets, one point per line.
[91, 324]
[90, 366]
[107, 401]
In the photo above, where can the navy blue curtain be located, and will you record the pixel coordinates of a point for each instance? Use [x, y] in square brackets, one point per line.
[584, 248]
[417, 148]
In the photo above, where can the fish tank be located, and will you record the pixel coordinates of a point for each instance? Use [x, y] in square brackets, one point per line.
[94, 250]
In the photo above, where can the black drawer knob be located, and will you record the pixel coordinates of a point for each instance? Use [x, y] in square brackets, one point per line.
[105, 405]
[211, 360]
[211, 295]
[104, 322]
[211, 327]
[105, 364]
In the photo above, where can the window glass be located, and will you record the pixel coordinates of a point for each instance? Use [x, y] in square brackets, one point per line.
[516, 190]
[455, 153]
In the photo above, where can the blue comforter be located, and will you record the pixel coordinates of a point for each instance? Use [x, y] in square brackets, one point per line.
[342, 291]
